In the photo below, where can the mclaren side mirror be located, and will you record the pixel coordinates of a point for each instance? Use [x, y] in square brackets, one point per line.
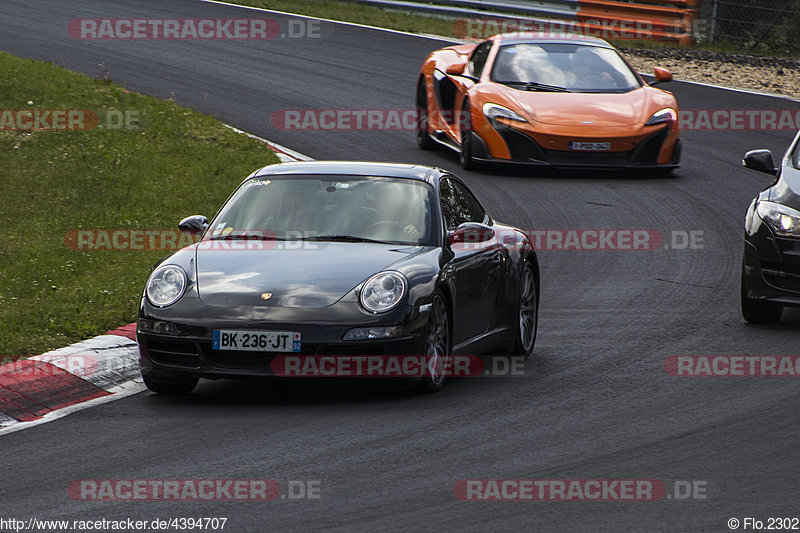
[194, 224]
[760, 160]
[662, 74]
[457, 69]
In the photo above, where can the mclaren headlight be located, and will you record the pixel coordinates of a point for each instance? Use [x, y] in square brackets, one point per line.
[662, 115]
[494, 111]
[166, 285]
[383, 291]
[783, 220]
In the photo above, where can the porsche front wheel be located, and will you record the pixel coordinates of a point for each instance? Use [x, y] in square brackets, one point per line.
[528, 313]
[437, 347]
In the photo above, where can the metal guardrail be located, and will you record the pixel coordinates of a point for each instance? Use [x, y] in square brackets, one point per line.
[751, 25]
[663, 20]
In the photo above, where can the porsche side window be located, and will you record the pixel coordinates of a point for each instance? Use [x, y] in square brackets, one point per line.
[459, 205]
[478, 59]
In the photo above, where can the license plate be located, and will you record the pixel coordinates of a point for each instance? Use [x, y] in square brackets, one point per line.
[256, 341]
[590, 147]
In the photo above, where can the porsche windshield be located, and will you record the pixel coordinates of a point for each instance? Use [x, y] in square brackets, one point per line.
[329, 208]
[563, 68]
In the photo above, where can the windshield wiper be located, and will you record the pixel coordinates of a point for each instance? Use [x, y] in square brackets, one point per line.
[341, 238]
[247, 237]
[535, 86]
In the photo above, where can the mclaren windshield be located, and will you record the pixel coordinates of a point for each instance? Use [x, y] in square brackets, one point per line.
[563, 68]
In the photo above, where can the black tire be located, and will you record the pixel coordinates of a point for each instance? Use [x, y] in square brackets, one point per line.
[424, 140]
[759, 311]
[465, 155]
[528, 313]
[173, 386]
[437, 347]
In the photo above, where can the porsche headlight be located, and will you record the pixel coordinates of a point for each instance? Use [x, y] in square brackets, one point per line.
[783, 220]
[662, 115]
[166, 285]
[383, 291]
[495, 111]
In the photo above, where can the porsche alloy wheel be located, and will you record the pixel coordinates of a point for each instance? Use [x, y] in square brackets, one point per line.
[437, 348]
[528, 314]
[465, 155]
[424, 140]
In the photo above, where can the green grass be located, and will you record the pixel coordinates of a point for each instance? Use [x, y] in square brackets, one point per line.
[179, 163]
[437, 25]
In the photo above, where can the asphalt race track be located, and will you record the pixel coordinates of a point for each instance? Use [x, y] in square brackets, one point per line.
[595, 403]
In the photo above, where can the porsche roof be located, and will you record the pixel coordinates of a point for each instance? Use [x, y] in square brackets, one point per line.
[354, 168]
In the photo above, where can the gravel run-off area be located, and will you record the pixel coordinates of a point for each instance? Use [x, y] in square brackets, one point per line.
[773, 75]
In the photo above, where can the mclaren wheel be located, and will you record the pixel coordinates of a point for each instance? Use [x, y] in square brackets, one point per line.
[465, 155]
[424, 140]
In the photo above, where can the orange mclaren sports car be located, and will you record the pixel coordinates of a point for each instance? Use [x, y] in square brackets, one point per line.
[568, 101]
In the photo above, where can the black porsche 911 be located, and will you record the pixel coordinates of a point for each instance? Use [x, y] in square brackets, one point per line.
[771, 265]
[337, 259]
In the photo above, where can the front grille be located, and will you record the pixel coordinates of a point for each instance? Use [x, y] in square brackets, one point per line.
[236, 360]
[611, 159]
[524, 148]
[782, 280]
[349, 349]
[174, 353]
[790, 254]
[520, 146]
[647, 151]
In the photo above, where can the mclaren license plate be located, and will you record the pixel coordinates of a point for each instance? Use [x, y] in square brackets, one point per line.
[256, 341]
[590, 147]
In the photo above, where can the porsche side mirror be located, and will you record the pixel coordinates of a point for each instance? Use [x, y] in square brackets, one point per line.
[456, 69]
[470, 233]
[194, 224]
[760, 160]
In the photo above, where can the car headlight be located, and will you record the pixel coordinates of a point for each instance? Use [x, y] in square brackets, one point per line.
[494, 111]
[383, 291]
[662, 115]
[166, 285]
[783, 220]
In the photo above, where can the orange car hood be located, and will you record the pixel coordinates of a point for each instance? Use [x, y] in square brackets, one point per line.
[578, 109]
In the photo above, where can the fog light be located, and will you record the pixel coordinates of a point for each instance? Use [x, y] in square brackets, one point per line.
[361, 334]
[158, 326]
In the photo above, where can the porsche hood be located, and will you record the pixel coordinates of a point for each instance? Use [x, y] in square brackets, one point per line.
[293, 274]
